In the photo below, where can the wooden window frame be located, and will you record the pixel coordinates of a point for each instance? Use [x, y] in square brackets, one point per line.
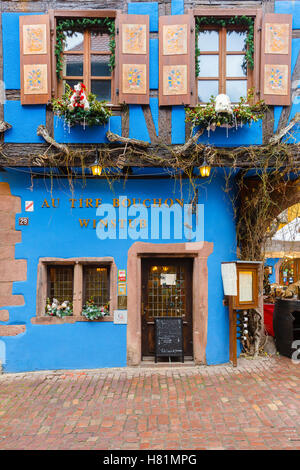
[57, 87]
[253, 76]
[78, 288]
[84, 277]
[57, 266]
[222, 53]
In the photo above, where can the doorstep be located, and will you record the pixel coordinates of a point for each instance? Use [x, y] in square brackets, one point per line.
[149, 361]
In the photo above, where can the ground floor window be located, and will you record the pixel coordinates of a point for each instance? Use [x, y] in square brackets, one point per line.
[96, 284]
[72, 284]
[60, 283]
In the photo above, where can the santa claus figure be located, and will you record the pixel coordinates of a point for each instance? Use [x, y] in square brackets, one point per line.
[78, 98]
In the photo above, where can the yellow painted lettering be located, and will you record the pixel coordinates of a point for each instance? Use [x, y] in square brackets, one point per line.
[180, 202]
[45, 203]
[89, 203]
[84, 222]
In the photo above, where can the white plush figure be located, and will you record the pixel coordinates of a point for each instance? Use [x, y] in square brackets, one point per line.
[222, 104]
[55, 303]
[65, 304]
[79, 99]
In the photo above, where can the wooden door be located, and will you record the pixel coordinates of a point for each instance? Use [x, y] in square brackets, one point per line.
[166, 291]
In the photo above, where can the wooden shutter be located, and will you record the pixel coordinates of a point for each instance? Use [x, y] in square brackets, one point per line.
[35, 59]
[276, 59]
[133, 58]
[177, 60]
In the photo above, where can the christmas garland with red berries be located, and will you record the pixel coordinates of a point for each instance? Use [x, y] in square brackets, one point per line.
[74, 111]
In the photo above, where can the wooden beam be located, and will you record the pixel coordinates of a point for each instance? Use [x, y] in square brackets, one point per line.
[18, 155]
[232, 333]
[85, 13]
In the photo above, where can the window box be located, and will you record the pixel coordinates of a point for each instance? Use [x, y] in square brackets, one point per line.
[241, 113]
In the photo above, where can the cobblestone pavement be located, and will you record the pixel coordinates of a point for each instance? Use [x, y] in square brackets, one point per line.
[254, 406]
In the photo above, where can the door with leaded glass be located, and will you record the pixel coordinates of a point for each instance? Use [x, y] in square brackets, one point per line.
[166, 291]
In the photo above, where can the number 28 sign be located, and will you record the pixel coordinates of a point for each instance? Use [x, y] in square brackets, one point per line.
[23, 220]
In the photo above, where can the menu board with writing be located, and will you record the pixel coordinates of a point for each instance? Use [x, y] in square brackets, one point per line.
[229, 277]
[245, 286]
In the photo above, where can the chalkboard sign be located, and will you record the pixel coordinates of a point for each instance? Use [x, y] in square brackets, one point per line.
[168, 337]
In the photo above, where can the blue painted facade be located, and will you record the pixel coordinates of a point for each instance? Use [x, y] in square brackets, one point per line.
[56, 232]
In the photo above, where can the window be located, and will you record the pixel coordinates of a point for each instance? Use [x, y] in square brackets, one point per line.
[86, 59]
[221, 63]
[76, 280]
[60, 283]
[96, 284]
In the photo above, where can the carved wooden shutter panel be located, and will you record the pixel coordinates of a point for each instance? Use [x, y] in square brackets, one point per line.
[133, 58]
[35, 62]
[177, 60]
[276, 59]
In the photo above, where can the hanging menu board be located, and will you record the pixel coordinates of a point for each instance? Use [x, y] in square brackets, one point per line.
[229, 278]
[168, 337]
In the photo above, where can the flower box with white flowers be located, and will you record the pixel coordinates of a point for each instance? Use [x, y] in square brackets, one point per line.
[91, 311]
[55, 309]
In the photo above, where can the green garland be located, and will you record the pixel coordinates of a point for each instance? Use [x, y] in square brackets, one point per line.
[231, 21]
[70, 26]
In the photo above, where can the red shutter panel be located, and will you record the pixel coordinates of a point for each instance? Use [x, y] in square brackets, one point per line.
[133, 58]
[35, 59]
[276, 59]
[177, 60]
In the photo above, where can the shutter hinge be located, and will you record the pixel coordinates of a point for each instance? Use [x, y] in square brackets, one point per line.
[191, 92]
[192, 30]
[117, 31]
[117, 91]
[259, 29]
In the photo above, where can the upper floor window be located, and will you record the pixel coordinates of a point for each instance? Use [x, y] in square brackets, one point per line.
[86, 57]
[221, 63]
